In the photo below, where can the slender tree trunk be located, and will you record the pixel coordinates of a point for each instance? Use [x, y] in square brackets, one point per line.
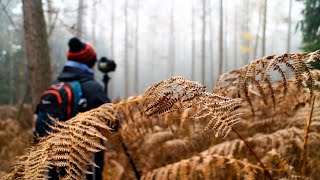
[235, 51]
[112, 30]
[257, 35]
[226, 63]
[203, 54]
[111, 86]
[136, 59]
[193, 43]
[79, 29]
[11, 71]
[94, 22]
[289, 28]
[247, 31]
[126, 73]
[220, 38]
[50, 12]
[37, 49]
[51, 20]
[264, 28]
[211, 46]
[171, 60]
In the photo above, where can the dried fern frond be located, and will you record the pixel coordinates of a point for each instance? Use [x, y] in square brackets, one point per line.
[34, 164]
[288, 142]
[206, 167]
[170, 95]
[70, 146]
[258, 76]
[179, 93]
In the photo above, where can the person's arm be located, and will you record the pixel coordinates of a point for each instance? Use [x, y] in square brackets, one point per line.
[94, 94]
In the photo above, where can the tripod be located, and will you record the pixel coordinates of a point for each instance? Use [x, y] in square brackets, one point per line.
[105, 80]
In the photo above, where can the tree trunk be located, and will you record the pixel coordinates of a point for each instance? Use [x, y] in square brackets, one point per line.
[136, 58]
[111, 86]
[235, 51]
[37, 49]
[112, 30]
[220, 38]
[226, 63]
[289, 28]
[126, 77]
[264, 28]
[79, 29]
[211, 46]
[94, 21]
[203, 54]
[11, 71]
[171, 60]
[193, 43]
[247, 31]
[257, 35]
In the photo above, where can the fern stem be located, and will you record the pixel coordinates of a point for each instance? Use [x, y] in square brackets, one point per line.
[125, 149]
[305, 141]
[253, 153]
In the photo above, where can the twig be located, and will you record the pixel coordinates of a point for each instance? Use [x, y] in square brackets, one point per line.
[305, 141]
[266, 172]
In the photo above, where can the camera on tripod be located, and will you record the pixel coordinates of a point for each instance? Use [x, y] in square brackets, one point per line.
[106, 65]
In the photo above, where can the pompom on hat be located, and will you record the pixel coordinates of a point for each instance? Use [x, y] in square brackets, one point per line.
[81, 52]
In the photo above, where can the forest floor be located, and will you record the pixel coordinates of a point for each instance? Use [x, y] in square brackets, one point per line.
[15, 135]
[159, 144]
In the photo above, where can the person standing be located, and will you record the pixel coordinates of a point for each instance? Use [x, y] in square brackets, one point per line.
[79, 68]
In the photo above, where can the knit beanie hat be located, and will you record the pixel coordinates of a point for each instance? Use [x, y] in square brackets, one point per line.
[81, 52]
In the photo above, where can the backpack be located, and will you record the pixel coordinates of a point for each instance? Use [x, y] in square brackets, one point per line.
[60, 101]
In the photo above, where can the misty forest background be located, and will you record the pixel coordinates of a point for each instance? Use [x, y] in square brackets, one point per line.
[149, 40]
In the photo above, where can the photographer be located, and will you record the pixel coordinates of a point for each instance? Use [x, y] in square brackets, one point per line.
[79, 68]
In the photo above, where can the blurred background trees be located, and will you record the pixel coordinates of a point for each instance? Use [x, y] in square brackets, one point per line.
[310, 24]
[152, 40]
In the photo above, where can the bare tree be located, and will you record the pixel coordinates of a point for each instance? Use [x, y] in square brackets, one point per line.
[264, 28]
[289, 27]
[136, 58]
[246, 56]
[171, 60]
[220, 38]
[52, 18]
[211, 45]
[94, 21]
[193, 42]
[79, 29]
[225, 39]
[203, 54]
[258, 31]
[126, 73]
[112, 29]
[112, 17]
[37, 48]
[235, 43]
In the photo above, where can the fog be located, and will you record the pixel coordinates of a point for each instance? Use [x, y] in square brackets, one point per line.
[165, 35]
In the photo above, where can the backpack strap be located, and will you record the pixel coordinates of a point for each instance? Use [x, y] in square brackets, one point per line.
[69, 95]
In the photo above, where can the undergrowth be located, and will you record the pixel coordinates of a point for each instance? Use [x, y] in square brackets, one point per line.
[256, 124]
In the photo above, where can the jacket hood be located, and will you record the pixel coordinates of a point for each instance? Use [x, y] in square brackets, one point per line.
[74, 74]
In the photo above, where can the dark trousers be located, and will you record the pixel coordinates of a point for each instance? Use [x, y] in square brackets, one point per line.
[97, 171]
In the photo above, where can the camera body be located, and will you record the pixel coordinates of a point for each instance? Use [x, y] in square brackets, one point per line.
[106, 65]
